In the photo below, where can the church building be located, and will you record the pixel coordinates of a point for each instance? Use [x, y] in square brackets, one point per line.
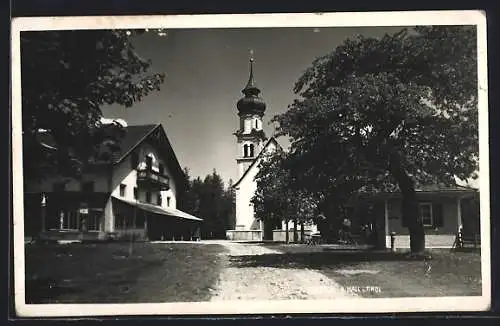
[252, 143]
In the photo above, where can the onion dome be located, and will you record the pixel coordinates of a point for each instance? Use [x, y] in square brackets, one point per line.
[251, 103]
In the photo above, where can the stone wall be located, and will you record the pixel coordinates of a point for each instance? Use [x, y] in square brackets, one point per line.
[244, 235]
[431, 241]
[280, 235]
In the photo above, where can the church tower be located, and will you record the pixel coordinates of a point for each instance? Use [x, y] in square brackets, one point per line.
[250, 136]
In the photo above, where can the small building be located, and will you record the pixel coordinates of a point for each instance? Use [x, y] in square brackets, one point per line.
[134, 195]
[442, 210]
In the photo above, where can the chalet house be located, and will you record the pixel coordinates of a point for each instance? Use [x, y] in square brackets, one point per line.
[133, 197]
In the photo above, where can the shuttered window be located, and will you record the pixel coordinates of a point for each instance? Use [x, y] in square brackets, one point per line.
[426, 214]
[431, 215]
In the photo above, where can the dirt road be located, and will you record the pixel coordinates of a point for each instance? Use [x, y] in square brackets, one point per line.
[269, 283]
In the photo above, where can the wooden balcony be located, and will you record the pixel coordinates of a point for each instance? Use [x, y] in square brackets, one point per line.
[153, 179]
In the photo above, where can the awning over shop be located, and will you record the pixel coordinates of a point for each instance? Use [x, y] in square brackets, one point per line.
[158, 210]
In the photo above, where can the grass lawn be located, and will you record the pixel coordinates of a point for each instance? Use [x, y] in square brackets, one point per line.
[106, 273]
[388, 274]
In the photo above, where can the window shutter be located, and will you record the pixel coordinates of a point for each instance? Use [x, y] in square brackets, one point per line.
[437, 215]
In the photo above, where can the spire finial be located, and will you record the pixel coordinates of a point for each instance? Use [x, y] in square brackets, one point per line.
[251, 82]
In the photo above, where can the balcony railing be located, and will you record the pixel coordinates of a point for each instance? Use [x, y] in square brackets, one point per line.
[153, 178]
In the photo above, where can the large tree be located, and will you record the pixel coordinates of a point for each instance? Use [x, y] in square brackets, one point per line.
[67, 76]
[384, 113]
[278, 198]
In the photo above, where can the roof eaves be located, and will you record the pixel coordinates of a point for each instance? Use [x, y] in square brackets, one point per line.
[127, 153]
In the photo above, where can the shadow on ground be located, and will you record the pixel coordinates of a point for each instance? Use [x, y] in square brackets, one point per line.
[315, 259]
[393, 274]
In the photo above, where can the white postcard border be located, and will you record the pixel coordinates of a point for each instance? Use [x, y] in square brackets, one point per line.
[357, 305]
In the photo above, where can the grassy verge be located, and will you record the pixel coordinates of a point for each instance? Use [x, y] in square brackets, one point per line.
[108, 273]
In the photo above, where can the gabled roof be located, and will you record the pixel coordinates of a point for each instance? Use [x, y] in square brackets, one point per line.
[272, 139]
[136, 134]
[133, 137]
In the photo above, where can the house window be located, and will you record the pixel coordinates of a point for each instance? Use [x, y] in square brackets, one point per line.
[168, 201]
[134, 160]
[148, 196]
[88, 186]
[426, 214]
[59, 187]
[136, 193]
[122, 190]
[160, 169]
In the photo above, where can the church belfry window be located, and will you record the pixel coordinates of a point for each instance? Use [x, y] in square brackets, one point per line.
[251, 150]
[245, 150]
[122, 190]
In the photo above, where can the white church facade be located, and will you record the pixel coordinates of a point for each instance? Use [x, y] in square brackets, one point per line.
[252, 145]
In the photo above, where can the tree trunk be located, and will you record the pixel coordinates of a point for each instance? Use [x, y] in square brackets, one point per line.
[295, 231]
[410, 208]
[287, 236]
[302, 231]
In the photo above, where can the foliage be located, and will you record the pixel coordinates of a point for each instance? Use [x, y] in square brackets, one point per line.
[385, 114]
[67, 76]
[277, 197]
[209, 200]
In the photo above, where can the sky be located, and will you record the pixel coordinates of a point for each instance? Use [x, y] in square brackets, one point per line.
[206, 69]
